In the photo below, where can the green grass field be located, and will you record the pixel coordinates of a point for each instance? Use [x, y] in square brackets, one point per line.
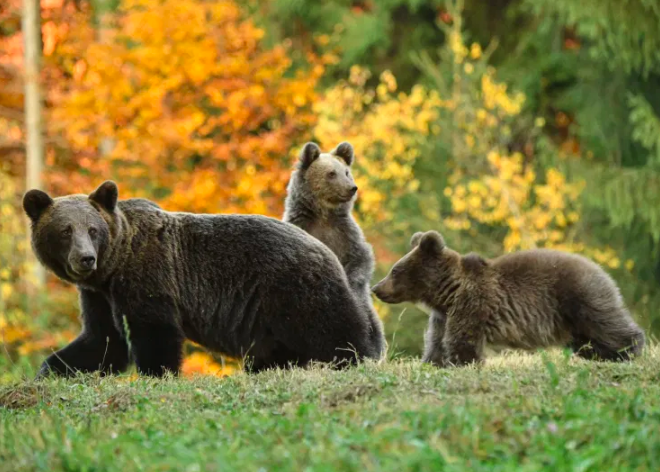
[520, 412]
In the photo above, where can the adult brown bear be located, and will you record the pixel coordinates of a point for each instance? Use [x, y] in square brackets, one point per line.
[242, 285]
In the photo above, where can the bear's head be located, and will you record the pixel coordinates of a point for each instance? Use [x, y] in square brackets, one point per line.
[70, 234]
[325, 178]
[417, 275]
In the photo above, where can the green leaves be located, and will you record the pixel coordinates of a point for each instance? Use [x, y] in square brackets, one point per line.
[646, 126]
[623, 33]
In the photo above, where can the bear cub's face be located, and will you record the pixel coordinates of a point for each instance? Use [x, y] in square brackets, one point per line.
[413, 277]
[69, 234]
[327, 176]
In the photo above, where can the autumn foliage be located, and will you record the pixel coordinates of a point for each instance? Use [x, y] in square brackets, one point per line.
[180, 101]
[189, 103]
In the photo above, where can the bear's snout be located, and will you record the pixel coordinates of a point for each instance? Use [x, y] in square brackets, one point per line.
[354, 190]
[379, 289]
[83, 263]
[87, 262]
[387, 292]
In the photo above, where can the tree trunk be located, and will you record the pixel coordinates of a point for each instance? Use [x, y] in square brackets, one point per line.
[33, 122]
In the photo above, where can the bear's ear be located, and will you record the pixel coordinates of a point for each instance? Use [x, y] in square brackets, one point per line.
[414, 240]
[35, 202]
[345, 151]
[106, 195]
[310, 152]
[431, 243]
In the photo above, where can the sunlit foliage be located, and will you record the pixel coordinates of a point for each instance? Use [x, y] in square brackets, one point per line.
[180, 100]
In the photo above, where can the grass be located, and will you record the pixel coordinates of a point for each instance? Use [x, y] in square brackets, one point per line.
[522, 412]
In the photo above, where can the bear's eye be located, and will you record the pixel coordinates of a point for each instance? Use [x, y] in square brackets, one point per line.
[332, 174]
[66, 232]
[346, 173]
[93, 232]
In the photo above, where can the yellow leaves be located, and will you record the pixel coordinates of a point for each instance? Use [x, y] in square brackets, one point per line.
[12, 334]
[510, 195]
[459, 205]
[495, 96]
[457, 47]
[474, 202]
[475, 51]
[491, 185]
[388, 80]
[386, 129]
[555, 178]
[322, 39]
[6, 290]
[358, 76]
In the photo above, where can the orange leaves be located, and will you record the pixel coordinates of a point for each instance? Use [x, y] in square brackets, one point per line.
[191, 102]
[201, 363]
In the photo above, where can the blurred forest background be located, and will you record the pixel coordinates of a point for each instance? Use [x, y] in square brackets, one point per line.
[504, 124]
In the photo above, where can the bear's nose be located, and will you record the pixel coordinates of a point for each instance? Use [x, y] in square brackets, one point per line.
[87, 262]
[354, 189]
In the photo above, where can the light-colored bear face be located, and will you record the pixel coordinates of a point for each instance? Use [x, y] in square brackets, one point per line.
[327, 176]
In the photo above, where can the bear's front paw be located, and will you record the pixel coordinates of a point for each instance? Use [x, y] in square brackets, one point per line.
[53, 366]
[434, 361]
[44, 371]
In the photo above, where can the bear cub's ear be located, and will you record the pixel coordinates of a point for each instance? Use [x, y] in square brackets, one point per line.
[431, 243]
[35, 202]
[310, 152]
[345, 151]
[106, 195]
[414, 240]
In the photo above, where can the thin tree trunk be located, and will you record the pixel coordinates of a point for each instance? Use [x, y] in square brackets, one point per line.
[33, 121]
[102, 11]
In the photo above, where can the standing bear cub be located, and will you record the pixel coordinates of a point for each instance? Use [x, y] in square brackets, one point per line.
[242, 285]
[523, 300]
[320, 198]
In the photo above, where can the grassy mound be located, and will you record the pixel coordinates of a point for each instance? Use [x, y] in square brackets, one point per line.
[545, 411]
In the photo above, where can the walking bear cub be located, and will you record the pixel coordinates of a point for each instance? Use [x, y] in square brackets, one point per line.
[148, 278]
[320, 198]
[523, 300]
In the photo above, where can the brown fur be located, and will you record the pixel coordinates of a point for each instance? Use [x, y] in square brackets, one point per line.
[243, 285]
[320, 198]
[524, 300]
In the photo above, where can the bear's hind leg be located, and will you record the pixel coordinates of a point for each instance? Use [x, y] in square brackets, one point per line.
[592, 349]
[608, 335]
[338, 337]
[280, 357]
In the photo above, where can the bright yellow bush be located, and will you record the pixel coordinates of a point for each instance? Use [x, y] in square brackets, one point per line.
[386, 129]
[491, 186]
